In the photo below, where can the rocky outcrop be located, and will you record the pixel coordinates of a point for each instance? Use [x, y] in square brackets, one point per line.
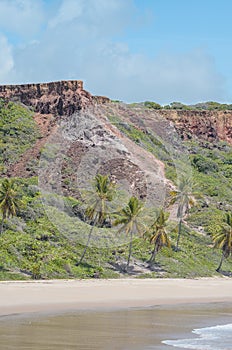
[57, 98]
[101, 99]
[206, 125]
[85, 144]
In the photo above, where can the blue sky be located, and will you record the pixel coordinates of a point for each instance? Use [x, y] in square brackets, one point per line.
[132, 50]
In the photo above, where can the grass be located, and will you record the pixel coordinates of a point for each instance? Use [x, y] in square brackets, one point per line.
[36, 248]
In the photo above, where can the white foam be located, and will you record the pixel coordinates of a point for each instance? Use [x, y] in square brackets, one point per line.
[209, 338]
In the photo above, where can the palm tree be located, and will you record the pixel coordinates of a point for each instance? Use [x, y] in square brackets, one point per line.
[129, 219]
[97, 213]
[184, 196]
[9, 201]
[157, 234]
[223, 240]
[104, 192]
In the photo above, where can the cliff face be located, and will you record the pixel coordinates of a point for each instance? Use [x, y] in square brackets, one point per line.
[206, 125]
[63, 98]
[57, 98]
[93, 142]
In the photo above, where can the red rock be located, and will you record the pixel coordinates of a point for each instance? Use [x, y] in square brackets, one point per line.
[57, 98]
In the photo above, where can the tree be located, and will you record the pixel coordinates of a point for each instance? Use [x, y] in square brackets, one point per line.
[223, 240]
[184, 197]
[129, 219]
[157, 234]
[102, 194]
[103, 191]
[9, 200]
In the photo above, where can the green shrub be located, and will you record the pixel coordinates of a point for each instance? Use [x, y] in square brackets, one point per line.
[152, 105]
[203, 164]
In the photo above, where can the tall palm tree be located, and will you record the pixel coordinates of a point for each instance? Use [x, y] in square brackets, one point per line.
[184, 197]
[129, 219]
[9, 200]
[223, 240]
[157, 234]
[97, 213]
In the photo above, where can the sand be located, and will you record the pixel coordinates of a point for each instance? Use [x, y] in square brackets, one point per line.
[17, 297]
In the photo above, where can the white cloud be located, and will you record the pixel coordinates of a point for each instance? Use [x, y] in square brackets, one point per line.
[68, 11]
[21, 17]
[186, 77]
[78, 44]
[6, 59]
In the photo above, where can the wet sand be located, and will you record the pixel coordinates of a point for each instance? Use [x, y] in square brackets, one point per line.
[131, 329]
[63, 295]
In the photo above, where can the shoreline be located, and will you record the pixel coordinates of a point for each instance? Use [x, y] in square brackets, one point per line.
[54, 296]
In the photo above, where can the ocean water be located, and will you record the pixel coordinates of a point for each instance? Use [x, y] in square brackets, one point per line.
[154, 328]
[208, 338]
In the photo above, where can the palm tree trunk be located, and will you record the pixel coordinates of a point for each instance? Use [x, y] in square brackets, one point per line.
[89, 237]
[2, 222]
[152, 258]
[87, 244]
[130, 250]
[179, 233]
[221, 261]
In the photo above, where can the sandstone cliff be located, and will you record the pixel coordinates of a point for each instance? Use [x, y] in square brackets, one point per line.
[57, 98]
[63, 98]
[206, 125]
[90, 113]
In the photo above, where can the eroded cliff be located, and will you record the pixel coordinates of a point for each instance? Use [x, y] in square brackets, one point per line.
[67, 98]
[63, 98]
[57, 98]
[206, 125]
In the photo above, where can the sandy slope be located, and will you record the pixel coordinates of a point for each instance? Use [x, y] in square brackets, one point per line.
[60, 295]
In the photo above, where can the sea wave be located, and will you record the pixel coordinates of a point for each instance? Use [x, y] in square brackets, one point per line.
[209, 338]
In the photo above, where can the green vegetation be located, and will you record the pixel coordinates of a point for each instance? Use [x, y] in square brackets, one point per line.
[9, 201]
[223, 239]
[207, 106]
[102, 194]
[157, 234]
[97, 214]
[184, 197]
[18, 131]
[211, 170]
[146, 140]
[152, 105]
[31, 246]
[212, 106]
[177, 105]
[128, 217]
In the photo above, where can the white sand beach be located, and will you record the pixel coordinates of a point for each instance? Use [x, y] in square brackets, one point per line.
[61, 295]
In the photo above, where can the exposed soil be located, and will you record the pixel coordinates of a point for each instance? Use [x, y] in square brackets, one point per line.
[47, 125]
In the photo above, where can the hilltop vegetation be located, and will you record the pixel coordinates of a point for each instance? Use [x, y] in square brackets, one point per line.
[31, 246]
[203, 106]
